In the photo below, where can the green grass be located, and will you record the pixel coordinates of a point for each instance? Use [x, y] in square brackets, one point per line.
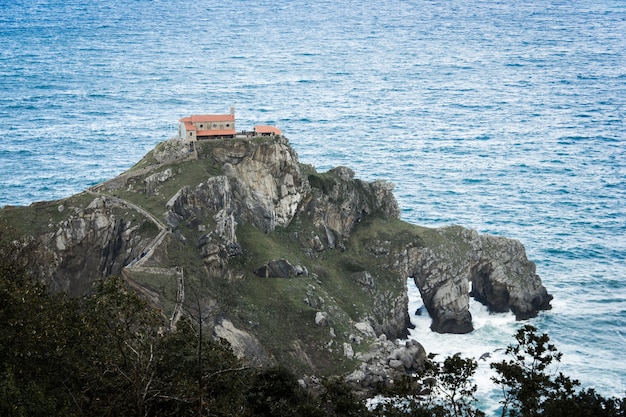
[42, 217]
[163, 284]
[324, 182]
[277, 309]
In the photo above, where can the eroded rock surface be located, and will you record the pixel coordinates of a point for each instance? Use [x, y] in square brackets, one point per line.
[504, 279]
[91, 242]
[387, 361]
[338, 202]
[495, 268]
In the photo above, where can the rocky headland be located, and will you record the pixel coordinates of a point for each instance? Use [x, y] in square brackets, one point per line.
[291, 266]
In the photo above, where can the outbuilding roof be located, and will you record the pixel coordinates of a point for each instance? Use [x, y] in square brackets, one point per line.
[261, 129]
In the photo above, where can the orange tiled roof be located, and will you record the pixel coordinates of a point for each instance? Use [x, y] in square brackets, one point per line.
[267, 129]
[198, 118]
[190, 126]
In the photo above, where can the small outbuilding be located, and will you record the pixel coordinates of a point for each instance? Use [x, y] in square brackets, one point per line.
[264, 130]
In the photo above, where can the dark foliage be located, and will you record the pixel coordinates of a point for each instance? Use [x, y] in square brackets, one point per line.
[109, 354]
[531, 388]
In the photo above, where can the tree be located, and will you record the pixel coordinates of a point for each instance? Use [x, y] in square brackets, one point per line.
[275, 392]
[38, 337]
[123, 332]
[337, 399]
[443, 390]
[524, 378]
[586, 403]
[531, 387]
[456, 388]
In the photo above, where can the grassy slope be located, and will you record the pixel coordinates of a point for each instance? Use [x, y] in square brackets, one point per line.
[273, 309]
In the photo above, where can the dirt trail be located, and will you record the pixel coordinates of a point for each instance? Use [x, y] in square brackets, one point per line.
[136, 265]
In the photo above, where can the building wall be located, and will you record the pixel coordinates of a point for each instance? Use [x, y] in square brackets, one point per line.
[185, 134]
[226, 125]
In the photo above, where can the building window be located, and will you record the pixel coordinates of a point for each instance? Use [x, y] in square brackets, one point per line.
[227, 124]
[214, 125]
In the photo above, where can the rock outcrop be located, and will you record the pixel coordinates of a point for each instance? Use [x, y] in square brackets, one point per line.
[243, 344]
[335, 248]
[387, 361]
[338, 202]
[92, 242]
[261, 186]
[504, 279]
[496, 270]
[280, 268]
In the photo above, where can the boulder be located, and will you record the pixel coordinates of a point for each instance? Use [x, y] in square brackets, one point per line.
[153, 181]
[279, 268]
[243, 344]
[364, 278]
[504, 279]
[386, 362]
[321, 318]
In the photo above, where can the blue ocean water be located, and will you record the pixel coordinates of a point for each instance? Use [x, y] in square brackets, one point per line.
[503, 116]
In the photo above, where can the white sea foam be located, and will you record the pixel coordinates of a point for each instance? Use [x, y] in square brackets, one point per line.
[486, 344]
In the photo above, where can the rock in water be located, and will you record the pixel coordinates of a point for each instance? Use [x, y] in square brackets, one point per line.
[496, 268]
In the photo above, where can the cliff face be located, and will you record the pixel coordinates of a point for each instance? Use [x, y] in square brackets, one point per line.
[259, 185]
[93, 241]
[288, 264]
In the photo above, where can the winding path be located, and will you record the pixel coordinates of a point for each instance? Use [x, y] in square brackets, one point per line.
[137, 263]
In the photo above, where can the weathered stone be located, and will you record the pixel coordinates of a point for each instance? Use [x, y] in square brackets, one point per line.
[244, 345]
[321, 318]
[338, 201]
[153, 181]
[497, 269]
[364, 279]
[387, 361]
[330, 237]
[278, 268]
[348, 352]
[365, 328]
[316, 243]
[261, 185]
[89, 244]
[396, 364]
[171, 150]
[504, 279]
[300, 270]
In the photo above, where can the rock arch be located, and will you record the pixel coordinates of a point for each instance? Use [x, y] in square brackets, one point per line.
[495, 269]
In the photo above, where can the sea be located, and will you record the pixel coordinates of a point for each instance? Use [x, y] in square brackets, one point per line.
[503, 116]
